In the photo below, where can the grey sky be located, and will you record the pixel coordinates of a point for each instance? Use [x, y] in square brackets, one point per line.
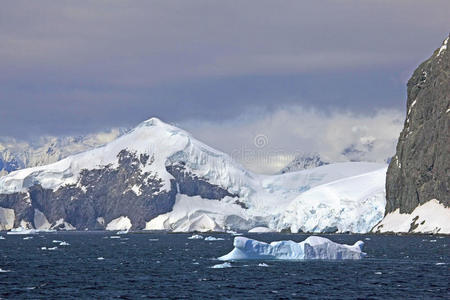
[69, 67]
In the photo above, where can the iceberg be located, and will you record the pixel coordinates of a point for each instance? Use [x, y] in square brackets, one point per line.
[314, 247]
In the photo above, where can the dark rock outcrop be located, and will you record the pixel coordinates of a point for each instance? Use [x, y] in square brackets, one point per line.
[420, 169]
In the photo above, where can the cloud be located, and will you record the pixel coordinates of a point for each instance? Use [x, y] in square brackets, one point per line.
[72, 67]
[266, 144]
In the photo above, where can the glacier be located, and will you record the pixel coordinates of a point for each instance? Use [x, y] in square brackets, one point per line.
[314, 247]
[339, 197]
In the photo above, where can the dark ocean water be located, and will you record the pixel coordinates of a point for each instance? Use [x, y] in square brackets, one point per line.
[172, 266]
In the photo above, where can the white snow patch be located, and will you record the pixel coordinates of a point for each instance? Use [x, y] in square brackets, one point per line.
[314, 247]
[7, 218]
[137, 190]
[120, 223]
[430, 217]
[443, 47]
[412, 105]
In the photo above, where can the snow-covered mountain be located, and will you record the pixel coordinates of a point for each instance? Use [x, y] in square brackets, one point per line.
[158, 176]
[15, 154]
[304, 161]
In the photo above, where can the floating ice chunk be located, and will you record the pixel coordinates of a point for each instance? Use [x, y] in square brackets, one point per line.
[56, 241]
[222, 266]
[28, 238]
[263, 265]
[50, 249]
[122, 232]
[4, 271]
[211, 238]
[64, 244]
[100, 258]
[313, 247]
[114, 237]
[153, 240]
[2, 237]
[195, 237]
[260, 230]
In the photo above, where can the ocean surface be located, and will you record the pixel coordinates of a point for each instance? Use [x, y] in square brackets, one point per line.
[171, 266]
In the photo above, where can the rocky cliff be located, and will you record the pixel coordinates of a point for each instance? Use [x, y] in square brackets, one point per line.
[420, 169]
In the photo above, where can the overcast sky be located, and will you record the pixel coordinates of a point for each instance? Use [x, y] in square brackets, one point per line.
[74, 67]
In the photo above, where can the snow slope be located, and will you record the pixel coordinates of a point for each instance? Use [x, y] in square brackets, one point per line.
[430, 217]
[314, 247]
[337, 197]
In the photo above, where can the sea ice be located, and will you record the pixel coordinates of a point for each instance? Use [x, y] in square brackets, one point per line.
[195, 237]
[222, 266]
[313, 247]
[211, 238]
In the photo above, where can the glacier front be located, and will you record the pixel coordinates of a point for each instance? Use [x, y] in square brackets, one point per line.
[314, 247]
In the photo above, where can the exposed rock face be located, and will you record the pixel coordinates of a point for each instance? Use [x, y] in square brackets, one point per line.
[420, 170]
